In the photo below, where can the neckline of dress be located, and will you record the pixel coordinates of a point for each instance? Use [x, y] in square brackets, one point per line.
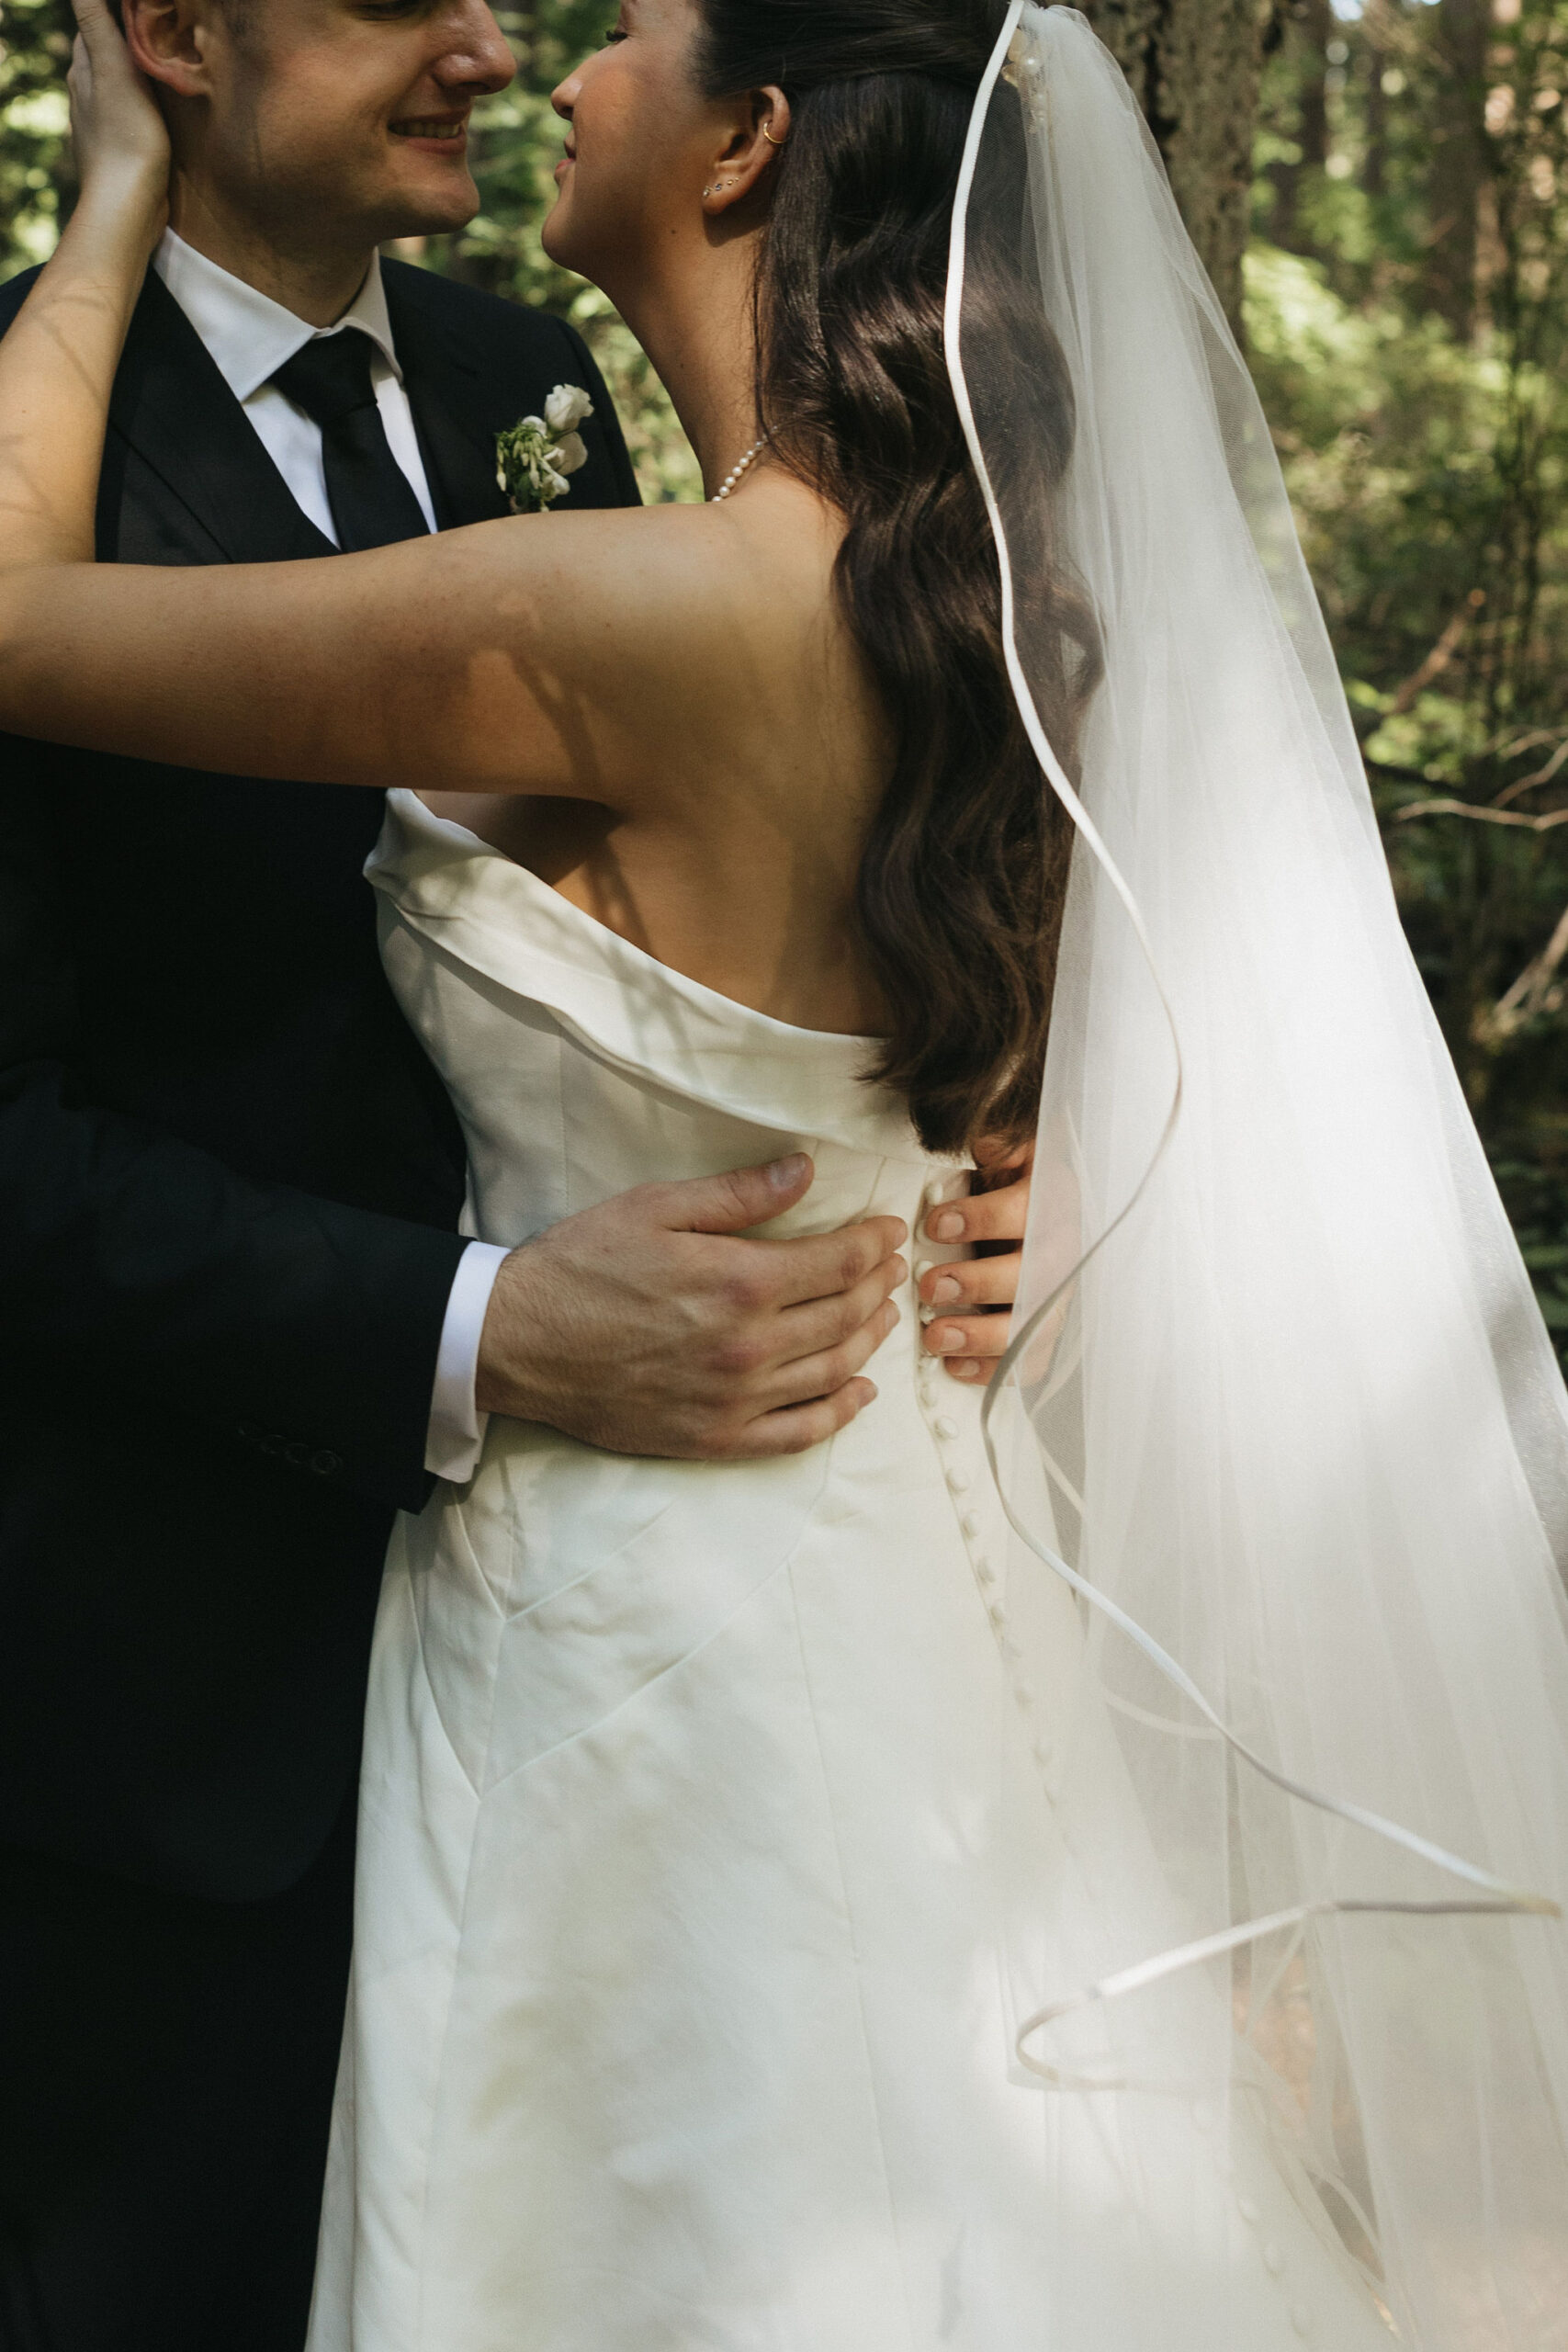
[613, 943]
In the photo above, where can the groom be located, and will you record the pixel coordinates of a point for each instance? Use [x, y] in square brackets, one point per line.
[240, 1327]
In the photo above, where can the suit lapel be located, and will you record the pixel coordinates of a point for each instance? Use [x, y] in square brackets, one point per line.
[172, 407]
[461, 472]
[444, 377]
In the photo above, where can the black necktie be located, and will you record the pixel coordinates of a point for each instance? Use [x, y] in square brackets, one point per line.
[371, 498]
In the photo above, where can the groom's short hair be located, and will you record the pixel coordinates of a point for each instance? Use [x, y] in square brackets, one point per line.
[237, 11]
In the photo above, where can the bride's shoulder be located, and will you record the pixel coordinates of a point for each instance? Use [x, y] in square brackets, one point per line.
[625, 656]
[801, 530]
[700, 584]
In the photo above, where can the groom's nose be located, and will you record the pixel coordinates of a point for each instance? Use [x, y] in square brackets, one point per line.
[475, 56]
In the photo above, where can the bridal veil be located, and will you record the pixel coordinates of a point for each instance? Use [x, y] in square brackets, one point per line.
[1281, 1416]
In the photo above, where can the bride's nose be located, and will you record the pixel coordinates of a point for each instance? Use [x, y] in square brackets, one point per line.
[563, 98]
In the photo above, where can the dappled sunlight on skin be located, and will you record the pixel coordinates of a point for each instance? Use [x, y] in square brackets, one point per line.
[607, 896]
[712, 870]
[559, 709]
[35, 500]
[587, 657]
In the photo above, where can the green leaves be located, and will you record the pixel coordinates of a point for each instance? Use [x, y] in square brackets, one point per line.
[35, 182]
[1421, 413]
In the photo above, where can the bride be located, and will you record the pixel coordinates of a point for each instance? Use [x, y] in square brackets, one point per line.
[862, 1903]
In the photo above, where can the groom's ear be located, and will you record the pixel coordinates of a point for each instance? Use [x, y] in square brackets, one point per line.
[170, 41]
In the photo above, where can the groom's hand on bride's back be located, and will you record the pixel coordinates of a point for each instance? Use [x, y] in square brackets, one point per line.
[652, 1325]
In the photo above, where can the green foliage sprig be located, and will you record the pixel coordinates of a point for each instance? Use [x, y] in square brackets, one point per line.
[536, 457]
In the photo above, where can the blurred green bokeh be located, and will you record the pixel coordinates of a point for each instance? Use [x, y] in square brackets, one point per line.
[1407, 317]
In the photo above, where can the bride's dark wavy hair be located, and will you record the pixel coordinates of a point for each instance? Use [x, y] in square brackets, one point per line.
[964, 875]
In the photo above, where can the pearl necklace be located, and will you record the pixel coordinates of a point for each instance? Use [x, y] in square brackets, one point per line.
[746, 462]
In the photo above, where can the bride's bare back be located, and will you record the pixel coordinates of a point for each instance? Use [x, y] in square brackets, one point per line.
[724, 801]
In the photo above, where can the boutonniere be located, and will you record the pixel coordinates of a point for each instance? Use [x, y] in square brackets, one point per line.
[534, 457]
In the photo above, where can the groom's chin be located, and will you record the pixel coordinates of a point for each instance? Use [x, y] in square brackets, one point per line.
[431, 207]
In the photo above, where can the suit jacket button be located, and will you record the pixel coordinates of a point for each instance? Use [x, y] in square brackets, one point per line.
[294, 1454]
[275, 1443]
[324, 1463]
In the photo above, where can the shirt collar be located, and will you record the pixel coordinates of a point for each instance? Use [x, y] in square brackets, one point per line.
[248, 334]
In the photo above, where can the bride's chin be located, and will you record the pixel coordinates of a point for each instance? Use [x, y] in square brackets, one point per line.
[553, 236]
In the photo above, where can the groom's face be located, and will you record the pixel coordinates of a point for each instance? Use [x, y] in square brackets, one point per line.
[344, 120]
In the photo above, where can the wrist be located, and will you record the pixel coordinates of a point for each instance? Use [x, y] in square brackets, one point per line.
[120, 214]
[503, 1381]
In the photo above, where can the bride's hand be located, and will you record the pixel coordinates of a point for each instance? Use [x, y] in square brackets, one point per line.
[121, 143]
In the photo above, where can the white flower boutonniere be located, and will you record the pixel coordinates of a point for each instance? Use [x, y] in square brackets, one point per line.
[534, 457]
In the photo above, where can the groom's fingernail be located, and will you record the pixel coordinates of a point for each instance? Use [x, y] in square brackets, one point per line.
[945, 1228]
[784, 1175]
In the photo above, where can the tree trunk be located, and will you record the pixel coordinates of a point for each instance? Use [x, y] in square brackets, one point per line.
[1374, 171]
[1308, 29]
[1194, 66]
[1459, 166]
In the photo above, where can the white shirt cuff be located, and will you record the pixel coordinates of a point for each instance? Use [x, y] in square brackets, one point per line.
[456, 1425]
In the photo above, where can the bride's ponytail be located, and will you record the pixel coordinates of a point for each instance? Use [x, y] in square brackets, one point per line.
[965, 872]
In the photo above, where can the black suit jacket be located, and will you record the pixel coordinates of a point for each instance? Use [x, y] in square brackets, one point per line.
[229, 1186]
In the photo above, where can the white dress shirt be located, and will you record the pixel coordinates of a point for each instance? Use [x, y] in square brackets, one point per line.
[249, 338]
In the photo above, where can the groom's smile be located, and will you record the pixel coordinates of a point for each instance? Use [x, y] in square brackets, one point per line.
[443, 130]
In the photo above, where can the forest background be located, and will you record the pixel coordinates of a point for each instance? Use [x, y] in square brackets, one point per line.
[1380, 188]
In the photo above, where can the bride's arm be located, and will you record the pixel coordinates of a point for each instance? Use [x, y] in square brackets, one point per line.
[536, 656]
[549, 656]
[57, 364]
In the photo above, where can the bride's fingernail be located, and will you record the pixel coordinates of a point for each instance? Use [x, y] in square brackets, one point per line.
[786, 1174]
[948, 1226]
[946, 1343]
[945, 1290]
[967, 1370]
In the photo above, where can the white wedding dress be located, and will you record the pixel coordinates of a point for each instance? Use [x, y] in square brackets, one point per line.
[707, 1856]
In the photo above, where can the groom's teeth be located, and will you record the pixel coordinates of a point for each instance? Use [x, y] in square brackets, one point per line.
[428, 130]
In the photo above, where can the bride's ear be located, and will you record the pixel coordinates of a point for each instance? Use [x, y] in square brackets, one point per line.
[759, 134]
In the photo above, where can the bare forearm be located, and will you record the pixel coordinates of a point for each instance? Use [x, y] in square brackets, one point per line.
[58, 363]
[57, 370]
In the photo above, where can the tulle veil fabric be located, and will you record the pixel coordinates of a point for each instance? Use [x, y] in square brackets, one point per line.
[1282, 1404]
